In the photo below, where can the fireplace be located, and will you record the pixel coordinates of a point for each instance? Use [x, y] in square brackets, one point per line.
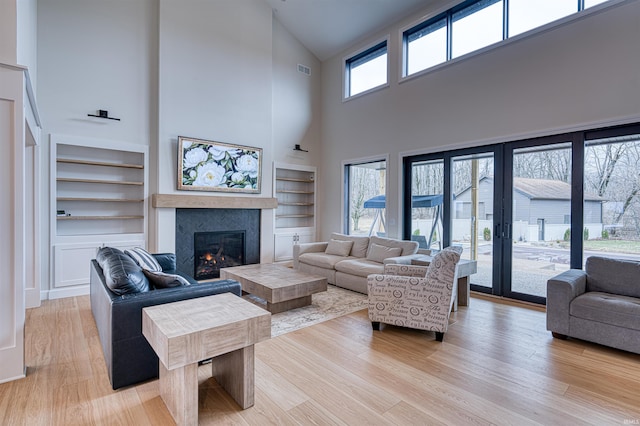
[191, 222]
[216, 250]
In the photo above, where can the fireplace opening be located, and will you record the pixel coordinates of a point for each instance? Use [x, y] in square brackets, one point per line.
[216, 250]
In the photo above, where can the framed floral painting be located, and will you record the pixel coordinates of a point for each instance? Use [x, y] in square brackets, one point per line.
[216, 166]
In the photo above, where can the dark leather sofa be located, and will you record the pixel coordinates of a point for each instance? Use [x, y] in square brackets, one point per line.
[127, 353]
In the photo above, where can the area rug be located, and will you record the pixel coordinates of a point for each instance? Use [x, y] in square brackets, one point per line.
[326, 305]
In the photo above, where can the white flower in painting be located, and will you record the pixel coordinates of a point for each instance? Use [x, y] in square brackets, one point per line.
[237, 177]
[217, 152]
[247, 165]
[194, 156]
[210, 174]
[186, 145]
[192, 174]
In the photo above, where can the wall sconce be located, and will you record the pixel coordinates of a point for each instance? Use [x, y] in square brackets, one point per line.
[298, 148]
[103, 113]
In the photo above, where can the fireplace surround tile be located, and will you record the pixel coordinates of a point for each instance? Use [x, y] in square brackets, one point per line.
[190, 221]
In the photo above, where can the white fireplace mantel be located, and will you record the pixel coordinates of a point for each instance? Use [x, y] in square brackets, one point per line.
[211, 202]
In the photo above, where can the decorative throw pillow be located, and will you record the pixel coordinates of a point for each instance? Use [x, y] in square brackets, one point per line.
[122, 275]
[144, 259]
[360, 244]
[339, 248]
[378, 253]
[164, 280]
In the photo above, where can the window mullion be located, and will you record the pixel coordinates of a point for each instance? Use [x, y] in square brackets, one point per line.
[449, 35]
[505, 20]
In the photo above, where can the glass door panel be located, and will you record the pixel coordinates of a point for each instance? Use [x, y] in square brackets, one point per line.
[472, 213]
[611, 204]
[540, 225]
[366, 198]
[427, 188]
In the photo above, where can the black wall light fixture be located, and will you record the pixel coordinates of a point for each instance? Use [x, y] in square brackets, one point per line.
[103, 113]
[298, 148]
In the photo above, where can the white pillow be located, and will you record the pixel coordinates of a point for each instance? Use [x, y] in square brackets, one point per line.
[164, 280]
[339, 248]
[378, 253]
[144, 259]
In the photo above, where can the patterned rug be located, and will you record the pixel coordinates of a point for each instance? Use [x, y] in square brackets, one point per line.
[326, 305]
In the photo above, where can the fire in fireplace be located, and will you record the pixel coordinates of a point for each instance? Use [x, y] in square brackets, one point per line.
[216, 250]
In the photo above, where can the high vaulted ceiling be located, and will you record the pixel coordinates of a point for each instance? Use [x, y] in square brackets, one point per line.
[327, 27]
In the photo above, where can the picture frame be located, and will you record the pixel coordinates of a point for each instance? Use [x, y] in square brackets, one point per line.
[217, 166]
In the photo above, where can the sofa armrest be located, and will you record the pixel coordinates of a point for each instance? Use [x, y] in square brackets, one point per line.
[303, 248]
[561, 290]
[166, 260]
[402, 260]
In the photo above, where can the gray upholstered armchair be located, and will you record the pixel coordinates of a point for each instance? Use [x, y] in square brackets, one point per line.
[418, 297]
[600, 304]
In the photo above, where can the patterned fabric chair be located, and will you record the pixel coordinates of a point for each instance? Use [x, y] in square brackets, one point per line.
[418, 297]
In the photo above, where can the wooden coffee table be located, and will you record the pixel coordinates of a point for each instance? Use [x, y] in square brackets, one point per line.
[223, 327]
[283, 288]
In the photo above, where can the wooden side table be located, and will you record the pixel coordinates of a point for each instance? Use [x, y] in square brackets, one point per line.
[223, 327]
[466, 268]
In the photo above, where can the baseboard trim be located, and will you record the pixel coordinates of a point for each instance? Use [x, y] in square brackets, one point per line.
[59, 293]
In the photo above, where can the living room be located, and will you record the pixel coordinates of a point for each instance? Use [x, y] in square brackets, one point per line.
[227, 71]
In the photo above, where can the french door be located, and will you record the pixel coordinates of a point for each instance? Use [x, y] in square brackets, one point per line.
[527, 210]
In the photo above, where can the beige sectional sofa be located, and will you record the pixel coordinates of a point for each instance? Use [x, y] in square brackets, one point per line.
[347, 260]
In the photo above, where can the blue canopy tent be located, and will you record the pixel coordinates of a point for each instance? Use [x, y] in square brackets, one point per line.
[417, 201]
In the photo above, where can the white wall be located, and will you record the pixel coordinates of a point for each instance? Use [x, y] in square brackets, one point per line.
[12, 225]
[93, 55]
[26, 52]
[581, 75]
[296, 100]
[215, 83]
[216, 70]
[228, 73]
[8, 32]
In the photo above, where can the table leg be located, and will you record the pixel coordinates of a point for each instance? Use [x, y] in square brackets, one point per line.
[278, 307]
[464, 284]
[179, 391]
[234, 372]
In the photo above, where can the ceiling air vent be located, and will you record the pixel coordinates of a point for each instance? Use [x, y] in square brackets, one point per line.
[304, 69]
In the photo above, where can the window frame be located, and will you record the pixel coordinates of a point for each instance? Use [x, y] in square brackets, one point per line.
[360, 54]
[447, 12]
[346, 179]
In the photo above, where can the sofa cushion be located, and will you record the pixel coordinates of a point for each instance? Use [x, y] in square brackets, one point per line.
[339, 247]
[320, 259]
[144, 259]
[620, 311]
[360, 244]
[164, 280]
[378, 253]
[121, 273]
[623, 282]
[408, 247]
[359, 267]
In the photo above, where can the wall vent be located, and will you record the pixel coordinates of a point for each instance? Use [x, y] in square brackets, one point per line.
[304, 69]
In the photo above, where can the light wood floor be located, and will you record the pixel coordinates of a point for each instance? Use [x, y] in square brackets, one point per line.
[497, 365]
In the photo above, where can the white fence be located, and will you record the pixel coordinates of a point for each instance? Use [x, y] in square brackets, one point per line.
[521, 231]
